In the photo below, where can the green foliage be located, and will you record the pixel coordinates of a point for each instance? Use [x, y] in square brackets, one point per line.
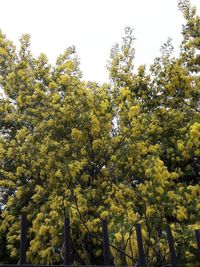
[126, 152]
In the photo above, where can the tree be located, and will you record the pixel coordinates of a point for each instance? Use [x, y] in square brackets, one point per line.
[126, 151]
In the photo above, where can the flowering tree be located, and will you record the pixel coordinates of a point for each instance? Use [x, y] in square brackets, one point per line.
[126, 151]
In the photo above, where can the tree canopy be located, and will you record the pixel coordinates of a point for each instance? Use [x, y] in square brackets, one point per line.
[125, 151]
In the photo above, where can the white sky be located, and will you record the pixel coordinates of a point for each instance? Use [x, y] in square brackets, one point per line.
[93, 26]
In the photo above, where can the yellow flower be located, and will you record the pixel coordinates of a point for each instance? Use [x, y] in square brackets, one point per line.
[124, 92]
[104, 214]
[95, 125]
[76, 134]
[115, 209]
[118, 237]
[149, 211]
[160, 190]
[134, 110]
[181, 213]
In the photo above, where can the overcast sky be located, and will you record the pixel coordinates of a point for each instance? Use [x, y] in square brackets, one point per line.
[93, 26]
